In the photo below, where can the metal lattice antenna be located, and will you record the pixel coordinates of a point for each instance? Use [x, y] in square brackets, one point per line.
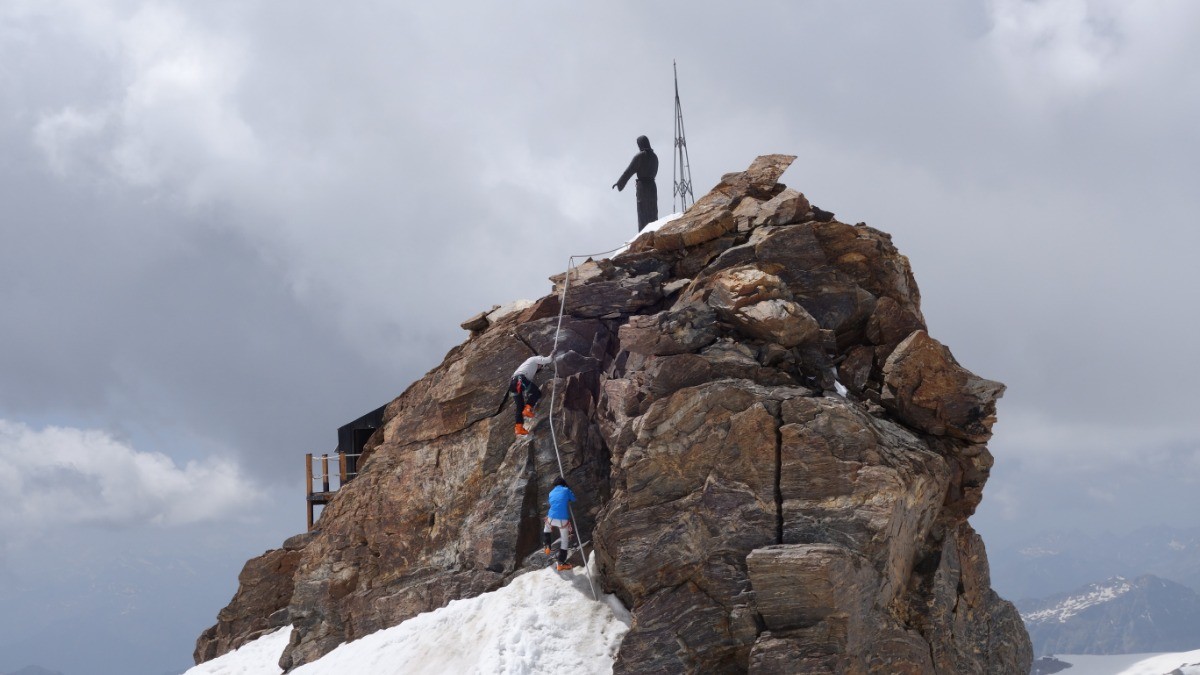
[681, 169]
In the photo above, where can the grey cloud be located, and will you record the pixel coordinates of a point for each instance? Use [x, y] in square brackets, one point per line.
[73, 476]
[399, 147]
[296, 236]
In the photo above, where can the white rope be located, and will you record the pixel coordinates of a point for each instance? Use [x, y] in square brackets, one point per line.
[562, 305]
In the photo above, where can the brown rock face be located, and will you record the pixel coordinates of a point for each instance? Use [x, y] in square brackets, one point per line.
[751, 521]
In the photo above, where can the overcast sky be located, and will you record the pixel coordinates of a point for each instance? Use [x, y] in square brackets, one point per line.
[231, 226]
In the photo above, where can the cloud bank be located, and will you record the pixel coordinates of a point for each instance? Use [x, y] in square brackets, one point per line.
[61, 476]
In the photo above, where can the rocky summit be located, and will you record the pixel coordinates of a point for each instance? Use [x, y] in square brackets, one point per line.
[751, 517]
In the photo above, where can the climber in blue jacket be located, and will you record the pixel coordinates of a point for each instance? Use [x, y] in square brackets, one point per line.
[560, 517]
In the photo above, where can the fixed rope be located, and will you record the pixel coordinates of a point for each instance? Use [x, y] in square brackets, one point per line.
[562, 305]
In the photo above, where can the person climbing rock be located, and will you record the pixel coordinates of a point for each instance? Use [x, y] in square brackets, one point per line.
[524, 391]
[645, 165]
[560, 517]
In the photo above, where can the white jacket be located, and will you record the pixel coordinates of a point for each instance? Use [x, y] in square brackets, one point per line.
[531, 365]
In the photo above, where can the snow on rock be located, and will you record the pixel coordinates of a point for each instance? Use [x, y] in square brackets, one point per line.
[837, 385]
[650, 227]
[543, 622]
[507, 309]
[1069, 607]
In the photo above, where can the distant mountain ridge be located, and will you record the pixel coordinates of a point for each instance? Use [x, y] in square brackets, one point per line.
[1052, 562]
[1073, 604]
[1117, 616]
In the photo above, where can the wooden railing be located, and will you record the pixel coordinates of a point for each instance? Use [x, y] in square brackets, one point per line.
[347, 470]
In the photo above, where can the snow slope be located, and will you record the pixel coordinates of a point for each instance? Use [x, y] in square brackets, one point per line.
[254, 658]
[1185, 663]
[1176, 663]
[542, 622]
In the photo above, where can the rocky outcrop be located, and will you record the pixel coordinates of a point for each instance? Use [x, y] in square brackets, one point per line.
[751, 518]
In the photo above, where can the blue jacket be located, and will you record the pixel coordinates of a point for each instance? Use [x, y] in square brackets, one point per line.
[559, 497]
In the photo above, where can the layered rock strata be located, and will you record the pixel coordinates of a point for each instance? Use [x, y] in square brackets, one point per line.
[750, 517]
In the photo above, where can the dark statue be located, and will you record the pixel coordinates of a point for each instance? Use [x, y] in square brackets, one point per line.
[645, 166]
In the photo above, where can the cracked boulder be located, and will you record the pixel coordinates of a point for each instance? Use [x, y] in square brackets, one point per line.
[696, 492]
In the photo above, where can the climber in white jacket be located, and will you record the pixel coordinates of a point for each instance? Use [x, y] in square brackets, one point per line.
[524, 391]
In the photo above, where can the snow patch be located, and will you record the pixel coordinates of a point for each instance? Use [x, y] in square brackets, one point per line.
[542, 622]
[837, 385]
[650, 227]
[1183, 663]
[260, 657]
